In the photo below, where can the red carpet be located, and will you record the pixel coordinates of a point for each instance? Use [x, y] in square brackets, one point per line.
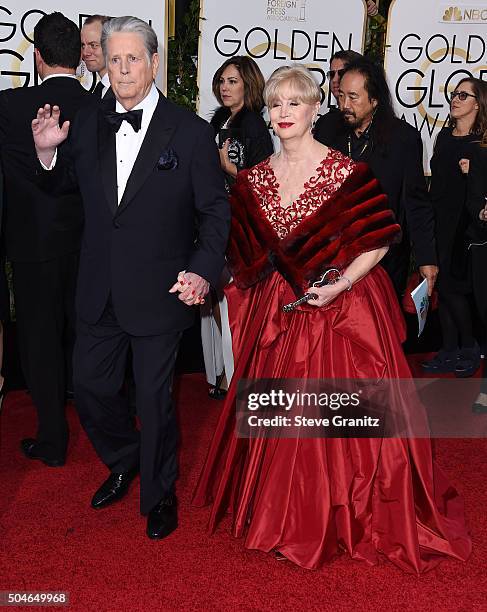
[50, 538]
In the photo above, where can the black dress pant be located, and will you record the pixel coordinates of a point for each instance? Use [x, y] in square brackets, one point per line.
[44, 305]
[100, 358]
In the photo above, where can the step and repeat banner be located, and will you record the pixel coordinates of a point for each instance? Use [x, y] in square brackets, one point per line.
[431, 47]
[18, 18]
[275, 33]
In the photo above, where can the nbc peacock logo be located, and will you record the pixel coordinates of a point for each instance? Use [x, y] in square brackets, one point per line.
[453, 13]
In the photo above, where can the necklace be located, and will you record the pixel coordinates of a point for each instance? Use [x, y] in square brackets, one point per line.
[350, 147]
[365, 135]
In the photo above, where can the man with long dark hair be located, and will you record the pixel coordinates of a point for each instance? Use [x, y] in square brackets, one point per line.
[370, 132]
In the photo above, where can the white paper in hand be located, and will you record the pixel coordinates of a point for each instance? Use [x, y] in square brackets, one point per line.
[421, 302]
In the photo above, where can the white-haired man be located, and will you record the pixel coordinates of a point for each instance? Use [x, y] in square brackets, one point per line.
[156, 227]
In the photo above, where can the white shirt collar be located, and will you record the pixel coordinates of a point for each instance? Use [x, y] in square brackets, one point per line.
[148, 105]
[52, 76]
[105, 81]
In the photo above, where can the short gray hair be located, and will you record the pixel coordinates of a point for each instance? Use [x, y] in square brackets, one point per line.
[298, 78]
[133, 25]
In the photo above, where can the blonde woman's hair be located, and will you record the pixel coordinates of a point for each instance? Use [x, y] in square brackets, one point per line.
[300, 81]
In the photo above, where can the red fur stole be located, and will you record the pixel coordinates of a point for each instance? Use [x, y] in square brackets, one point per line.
[354, 220]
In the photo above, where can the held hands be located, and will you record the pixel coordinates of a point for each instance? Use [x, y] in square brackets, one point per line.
[47, 132]
[483, 213]
[327, 293]
[429, 273]
[192, 288]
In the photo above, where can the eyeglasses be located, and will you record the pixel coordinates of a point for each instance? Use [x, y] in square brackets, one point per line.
[462, 95]
[331, 73]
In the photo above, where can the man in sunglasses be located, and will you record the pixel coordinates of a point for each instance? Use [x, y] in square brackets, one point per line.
[367, 130]
[330, 122]
[339, 61]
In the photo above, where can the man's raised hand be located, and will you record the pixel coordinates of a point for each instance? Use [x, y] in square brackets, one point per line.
[47, 132]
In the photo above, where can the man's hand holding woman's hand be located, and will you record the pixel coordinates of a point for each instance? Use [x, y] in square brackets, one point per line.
[192, 288]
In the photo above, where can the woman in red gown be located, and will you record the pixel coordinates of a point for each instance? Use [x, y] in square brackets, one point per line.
[300, 212]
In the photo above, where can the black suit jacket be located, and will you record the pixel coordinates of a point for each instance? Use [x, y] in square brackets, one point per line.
[38, 226]
[398, 165]
[167, 221]
[108, 94]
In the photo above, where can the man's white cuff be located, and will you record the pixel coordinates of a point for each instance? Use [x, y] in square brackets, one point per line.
[52, 164]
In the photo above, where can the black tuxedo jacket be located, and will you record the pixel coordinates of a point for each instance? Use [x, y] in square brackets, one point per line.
[398, 166]
[109, 95]
[38, 226]
[167, 221]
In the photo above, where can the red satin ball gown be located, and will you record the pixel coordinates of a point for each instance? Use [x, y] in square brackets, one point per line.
[312, 498]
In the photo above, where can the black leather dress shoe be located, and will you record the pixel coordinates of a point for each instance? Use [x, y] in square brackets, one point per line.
[34, 450]
[163, 518]
[113, 489]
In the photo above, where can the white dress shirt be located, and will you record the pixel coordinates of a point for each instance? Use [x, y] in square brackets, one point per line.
[105, 81]
[128, 141]
[52, 76]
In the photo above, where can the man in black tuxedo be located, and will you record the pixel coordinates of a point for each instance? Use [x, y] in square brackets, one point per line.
[156, 226]
[369, 131]
[43, 235]
[92, 54]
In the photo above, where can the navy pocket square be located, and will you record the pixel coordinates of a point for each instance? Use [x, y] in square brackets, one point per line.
[168, 160]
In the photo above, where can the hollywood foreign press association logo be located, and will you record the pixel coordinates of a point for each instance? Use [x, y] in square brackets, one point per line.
[286, 10]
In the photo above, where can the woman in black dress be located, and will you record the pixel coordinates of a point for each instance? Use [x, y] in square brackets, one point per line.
[244, 140]
[454, 148]
[242, 133]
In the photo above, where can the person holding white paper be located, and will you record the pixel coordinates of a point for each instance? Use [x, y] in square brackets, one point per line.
[454, 147]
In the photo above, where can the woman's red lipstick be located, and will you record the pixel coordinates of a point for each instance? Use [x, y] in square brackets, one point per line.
[285, 125]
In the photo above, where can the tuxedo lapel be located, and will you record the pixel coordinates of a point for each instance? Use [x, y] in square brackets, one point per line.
[107, 155]
[157, 137]
[109, 95]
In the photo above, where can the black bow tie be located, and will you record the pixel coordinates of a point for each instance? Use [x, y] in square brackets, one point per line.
[134, 117]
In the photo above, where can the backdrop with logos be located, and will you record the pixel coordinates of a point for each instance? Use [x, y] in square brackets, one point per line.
[18, 18]
[431, 46]
[276, 33]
